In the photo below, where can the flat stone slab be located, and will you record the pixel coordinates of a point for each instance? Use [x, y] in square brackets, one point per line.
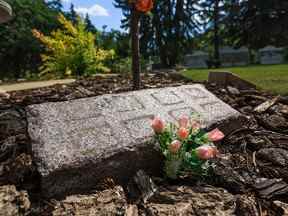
[76, 143]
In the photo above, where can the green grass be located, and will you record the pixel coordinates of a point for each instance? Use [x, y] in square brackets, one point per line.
[273, 78]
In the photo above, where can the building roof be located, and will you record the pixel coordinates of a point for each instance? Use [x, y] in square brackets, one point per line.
[227, 49]
[198, 53]
[271, 48]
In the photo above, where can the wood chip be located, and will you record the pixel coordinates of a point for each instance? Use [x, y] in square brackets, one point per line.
[266, 105]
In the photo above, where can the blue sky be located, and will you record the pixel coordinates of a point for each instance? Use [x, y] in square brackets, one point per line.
[101, 12]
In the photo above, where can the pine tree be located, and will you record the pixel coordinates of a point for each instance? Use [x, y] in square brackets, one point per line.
[257, 24]
[167, 30]
[20, 51]
[72, 15]
[212, 14]
[89, 26]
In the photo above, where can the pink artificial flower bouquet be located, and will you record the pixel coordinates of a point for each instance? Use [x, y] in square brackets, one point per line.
[185, 145]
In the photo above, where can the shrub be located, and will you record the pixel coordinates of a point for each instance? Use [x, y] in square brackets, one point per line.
[121, 66]
[124, 65]
[71, 51]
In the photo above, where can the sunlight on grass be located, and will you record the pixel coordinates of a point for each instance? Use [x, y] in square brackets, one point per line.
[272, 78]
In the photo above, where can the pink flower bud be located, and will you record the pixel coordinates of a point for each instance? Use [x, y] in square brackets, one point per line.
[183, 133]
[175, 146]
[158, 125]
[206, 152]
[183, 121]
[195, 124]
[215, 135]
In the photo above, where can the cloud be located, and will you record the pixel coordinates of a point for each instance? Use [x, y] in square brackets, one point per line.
[95, 10]
[66, 1]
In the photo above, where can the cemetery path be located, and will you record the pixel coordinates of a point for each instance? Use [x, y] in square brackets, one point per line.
[252, 178]
[32, 85]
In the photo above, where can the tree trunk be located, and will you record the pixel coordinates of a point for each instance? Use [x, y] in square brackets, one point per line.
[135, 49]
[216, 35]
[158, 38]
[178, 19]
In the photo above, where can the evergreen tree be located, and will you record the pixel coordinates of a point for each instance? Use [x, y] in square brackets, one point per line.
[72, 15]
[257, 24]
[89, 26]
[212, 15]
[167, 30]
[116, 40]
[19, 50]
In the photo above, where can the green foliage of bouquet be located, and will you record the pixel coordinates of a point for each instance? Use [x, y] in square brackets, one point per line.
[186, 146]
[71, 51]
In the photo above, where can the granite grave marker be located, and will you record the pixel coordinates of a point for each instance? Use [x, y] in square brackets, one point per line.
[77, 143]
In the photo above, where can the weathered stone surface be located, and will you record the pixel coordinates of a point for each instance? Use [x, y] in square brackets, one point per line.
[13, 202]
[107, 202]
[77, 142]
[183, 200]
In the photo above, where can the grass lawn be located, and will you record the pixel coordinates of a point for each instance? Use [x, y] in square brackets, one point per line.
[273, 78]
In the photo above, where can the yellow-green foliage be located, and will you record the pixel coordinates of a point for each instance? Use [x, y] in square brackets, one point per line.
[71, 50]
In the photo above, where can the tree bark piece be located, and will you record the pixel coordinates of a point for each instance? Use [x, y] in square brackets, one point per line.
[13, 202]
[141, 187]
[107, 202]
[266, 105]
[184, 200]
[271, 188]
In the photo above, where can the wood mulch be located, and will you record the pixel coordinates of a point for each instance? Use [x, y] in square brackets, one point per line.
[255, 162]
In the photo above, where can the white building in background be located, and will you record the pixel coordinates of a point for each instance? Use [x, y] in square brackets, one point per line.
[196, 60]
[234, 57]
[271, 55]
